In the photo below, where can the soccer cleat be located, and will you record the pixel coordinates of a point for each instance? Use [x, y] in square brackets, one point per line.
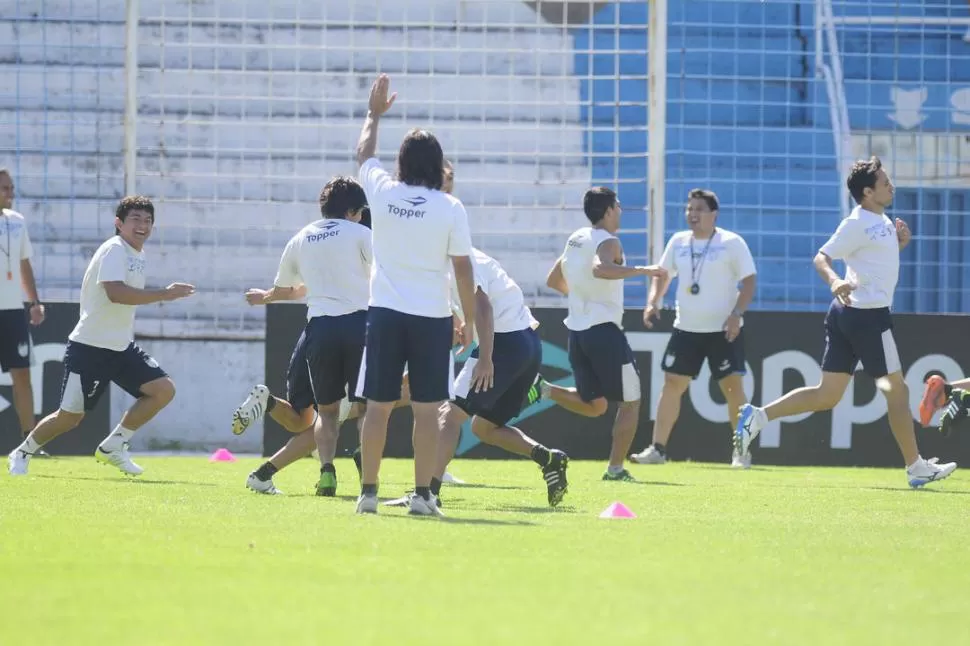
[554, 474]
[536, 390]
[935, 394]
[119, 458]
[327, 485]
[418, 506]
[739, 461]
[956, 408]
[17, 462]
[750, 422]
[357, 463]
[927, 471]
[649, 455]
[622, 476]
[251, 410]
[367, 504]
[262, 486]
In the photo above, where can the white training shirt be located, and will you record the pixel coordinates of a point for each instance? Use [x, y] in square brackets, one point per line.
[416, 230]
[14, 247]
[868, 244]
[332, 257]
[591, 300]
[509, 310]
[104, 324]
[718, 272]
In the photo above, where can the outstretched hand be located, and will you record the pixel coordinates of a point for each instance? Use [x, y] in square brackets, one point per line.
[379, 102]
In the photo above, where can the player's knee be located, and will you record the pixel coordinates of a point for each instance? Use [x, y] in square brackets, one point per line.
[599, 406]
[676, 384]
[68, 419]
[482, 428]
[162, 390]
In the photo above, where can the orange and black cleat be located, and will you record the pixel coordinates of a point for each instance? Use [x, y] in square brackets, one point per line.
[935, 394]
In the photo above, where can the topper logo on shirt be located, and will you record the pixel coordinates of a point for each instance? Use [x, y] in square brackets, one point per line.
[136, 265]
[330, 230]
[404, 212]
[881, 230]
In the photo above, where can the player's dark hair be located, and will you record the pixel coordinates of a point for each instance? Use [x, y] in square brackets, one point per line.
[709, 197]
[365, 217]
[597, 201]
[341, 195]
[862, 176]
[134, 203]
[420, 161]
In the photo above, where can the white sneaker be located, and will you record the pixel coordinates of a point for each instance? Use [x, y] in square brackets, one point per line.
[739, 461]
[649, 455]
[450, 479]
[119, 458]
[418, 506]
[925, 471]
[250, 410]
[262, 486]
[367, 504]
[750, 422]
[17, 462]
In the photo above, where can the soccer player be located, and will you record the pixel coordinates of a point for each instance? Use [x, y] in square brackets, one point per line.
[590, 273]
[496, 380]
[419, 233]
[17, 272]
[953, 398]
[709, 321]
[101, 348]
[329, 260]
[859, 326]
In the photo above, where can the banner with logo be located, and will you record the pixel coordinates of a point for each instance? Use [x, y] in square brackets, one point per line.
[783, 352]
[49, 341]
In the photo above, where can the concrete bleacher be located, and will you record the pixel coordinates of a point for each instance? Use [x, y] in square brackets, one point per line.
[245, 109]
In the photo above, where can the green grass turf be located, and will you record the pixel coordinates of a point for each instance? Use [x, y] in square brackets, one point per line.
[186, 555]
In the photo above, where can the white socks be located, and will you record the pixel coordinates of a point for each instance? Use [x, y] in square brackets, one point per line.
[116, 438]
[29, 445]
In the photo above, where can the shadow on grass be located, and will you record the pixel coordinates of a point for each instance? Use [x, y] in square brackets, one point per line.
[131, 480]
[482, 486]
[908, 489]
[526, 509]
[458, 520]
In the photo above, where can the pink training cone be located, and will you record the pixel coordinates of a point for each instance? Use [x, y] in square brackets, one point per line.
[617, 510]
[222, 455]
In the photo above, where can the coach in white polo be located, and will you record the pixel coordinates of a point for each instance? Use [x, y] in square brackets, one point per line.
[711, 262]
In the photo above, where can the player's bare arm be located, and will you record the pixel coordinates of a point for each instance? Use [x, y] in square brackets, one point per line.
[556, 280]
[464, 277]
[606, 263]
[378, 104]
[29, 284]
[732, 326]
[256, 296]
[658, 288]
[122, 294]
[840, 288]
[483, 375]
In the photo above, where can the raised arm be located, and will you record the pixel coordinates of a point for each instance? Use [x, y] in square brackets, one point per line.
[606, 263]
[377, 105]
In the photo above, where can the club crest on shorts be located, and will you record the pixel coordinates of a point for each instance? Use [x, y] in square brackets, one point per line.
[23, 349]
[669, 360]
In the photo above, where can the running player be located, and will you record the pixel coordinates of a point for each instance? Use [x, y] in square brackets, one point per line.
[859, 326]
[591, 272]
[101, 348]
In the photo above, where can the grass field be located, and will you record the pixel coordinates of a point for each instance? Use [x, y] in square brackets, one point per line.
[185, 555]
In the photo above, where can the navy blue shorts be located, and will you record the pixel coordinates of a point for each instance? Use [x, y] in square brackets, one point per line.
[853, 335]
[14, 340]
[88, 371]
[687, 351]
[517, 357]
[396, 339]
[299, 390]
[335, 346]
[603, 364]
